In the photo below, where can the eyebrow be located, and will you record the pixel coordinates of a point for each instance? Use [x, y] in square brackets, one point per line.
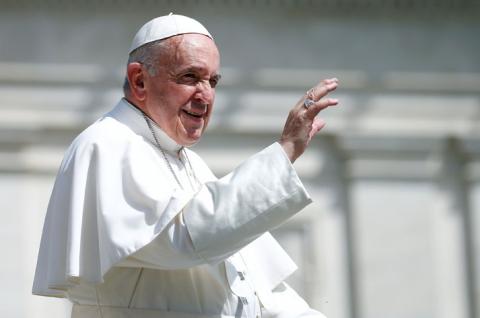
[217, 76]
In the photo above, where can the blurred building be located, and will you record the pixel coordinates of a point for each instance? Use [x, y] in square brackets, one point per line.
[395, 175]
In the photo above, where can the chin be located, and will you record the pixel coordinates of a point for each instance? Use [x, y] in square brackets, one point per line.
[189, 137]
[189, 140]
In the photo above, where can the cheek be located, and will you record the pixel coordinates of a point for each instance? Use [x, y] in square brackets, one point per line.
[182, 96]
[169, 105]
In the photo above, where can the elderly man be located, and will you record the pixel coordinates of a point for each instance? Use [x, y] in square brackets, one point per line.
[137, 224]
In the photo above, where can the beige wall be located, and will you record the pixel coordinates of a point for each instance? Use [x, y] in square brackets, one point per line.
[393, 229]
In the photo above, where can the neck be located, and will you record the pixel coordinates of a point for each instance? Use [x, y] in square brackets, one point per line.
[157, 133]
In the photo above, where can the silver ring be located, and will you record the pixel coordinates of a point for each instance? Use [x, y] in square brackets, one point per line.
[308, 102]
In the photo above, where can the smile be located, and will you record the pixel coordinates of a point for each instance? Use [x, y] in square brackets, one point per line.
[196, 115]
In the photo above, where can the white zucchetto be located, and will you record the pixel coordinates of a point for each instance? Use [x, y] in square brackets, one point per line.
[166, 26]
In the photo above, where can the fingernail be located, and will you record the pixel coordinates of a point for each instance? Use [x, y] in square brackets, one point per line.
[332, 85]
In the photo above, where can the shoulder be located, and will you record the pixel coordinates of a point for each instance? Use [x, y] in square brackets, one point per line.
[107, 136]
[105, 131]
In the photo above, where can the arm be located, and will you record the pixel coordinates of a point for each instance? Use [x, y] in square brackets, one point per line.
[259, 195]
[227, 214]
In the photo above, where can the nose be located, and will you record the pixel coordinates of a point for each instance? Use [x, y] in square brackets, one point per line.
[204, 93]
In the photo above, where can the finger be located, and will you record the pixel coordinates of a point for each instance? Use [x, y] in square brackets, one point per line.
[318, 91]
[315, 108]
[322, 88]
[317, 125]
[330, 80]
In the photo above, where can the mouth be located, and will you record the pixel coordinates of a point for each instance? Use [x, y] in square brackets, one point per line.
[194, 114]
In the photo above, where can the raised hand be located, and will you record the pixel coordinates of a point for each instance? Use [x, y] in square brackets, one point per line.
[302, 123]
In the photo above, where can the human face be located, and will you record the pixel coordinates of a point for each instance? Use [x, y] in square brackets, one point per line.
[180, 96]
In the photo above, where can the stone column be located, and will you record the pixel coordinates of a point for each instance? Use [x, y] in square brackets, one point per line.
[338, 233]
[453, 244]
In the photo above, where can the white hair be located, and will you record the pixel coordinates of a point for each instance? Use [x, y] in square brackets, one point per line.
[149, 55]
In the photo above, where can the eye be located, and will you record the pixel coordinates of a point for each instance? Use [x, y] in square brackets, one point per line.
[214, 81]
[189, 78]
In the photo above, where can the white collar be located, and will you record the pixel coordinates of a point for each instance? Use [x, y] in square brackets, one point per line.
[133, 117]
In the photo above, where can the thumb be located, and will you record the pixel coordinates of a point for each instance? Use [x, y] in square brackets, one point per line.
[317, 125]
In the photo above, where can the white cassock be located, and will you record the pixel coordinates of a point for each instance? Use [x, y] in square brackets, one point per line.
[122, 239]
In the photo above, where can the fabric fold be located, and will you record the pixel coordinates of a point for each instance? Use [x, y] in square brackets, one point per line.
[265, 191]
[109, 200]
[114, 195]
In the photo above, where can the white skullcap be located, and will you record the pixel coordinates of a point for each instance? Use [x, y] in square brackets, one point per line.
[166, 26]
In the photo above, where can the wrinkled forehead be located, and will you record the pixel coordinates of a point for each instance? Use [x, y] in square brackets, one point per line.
[195, 50]
[193, 43]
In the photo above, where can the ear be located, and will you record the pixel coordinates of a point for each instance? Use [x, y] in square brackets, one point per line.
[136, 80]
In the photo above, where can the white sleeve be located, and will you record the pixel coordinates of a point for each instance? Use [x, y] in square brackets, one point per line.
[227, 214]
[290, 305]
[171, 249]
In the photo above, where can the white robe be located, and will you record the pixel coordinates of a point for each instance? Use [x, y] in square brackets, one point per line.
[122, 239]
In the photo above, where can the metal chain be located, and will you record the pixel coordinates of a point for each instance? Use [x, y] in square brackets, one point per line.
[149, 124]
[198, 183]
